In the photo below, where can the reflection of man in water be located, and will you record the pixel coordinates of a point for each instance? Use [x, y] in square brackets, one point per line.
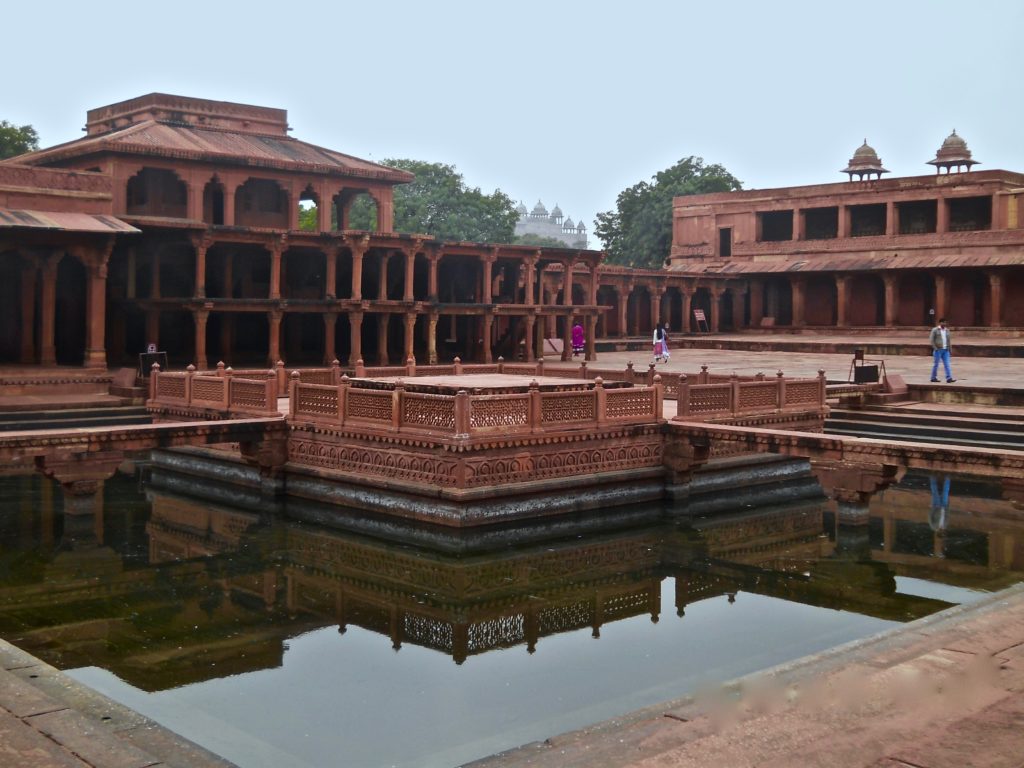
[940, 502]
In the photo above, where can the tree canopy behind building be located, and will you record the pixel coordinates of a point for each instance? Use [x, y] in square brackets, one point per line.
[639, 231]
[17, 140]
[438, 203]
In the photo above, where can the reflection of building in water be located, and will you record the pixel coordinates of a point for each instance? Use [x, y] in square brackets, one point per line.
[202, 589]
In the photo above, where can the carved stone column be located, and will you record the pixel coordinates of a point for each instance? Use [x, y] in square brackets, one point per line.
[382, 338]
[330, 340]
[48, 338]
[891, 283]
[716, 292]
[410, 329]
[331, 272]
[199, 318]
[941, 296]
[410, 272]
[200, 244]
[797, 286]
[528, 340]
[686, 300]
[359, 249]
[432, 319]
[531, 279]
[276, 248]
[433, 260]
[488, 321]
[355, 320]
[96, 307]
[274, 320]
[487, 266]
[995, 291]
[382, 276]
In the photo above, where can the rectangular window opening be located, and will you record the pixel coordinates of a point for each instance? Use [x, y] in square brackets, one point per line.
[725, 242]
[774, 226]
[970, 213]
[867, 220]
[918, 217]
[821, 223]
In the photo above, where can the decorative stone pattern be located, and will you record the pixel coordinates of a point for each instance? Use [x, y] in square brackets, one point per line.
[210, 390]
[320, 401]
[368, 405]
[757, 394]
[434, 411]
[626, 403]
[375, 461]
[561, 407]
[250, 394]
[501, 411]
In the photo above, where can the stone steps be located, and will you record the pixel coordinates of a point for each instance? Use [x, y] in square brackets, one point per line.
[991, 430]
[73, 418]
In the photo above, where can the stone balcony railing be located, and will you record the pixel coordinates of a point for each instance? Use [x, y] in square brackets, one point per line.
[223, 392]
[464, 415]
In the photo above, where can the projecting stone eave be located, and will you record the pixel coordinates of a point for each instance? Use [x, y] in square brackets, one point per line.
[778, 195]
[216, 146]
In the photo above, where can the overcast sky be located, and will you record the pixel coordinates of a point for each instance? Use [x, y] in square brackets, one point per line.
[567, 102]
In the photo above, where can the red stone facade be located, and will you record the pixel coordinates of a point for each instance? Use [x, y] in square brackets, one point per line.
[877, 253]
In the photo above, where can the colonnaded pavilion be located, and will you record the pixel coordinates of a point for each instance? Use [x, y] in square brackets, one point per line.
[175, 221]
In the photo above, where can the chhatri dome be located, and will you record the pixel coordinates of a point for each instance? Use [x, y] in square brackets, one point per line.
[865, 161]
[539, 209]
[521, 209]
[953, 153]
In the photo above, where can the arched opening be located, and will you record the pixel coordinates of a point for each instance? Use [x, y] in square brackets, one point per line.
[777, 300]
[70, 317]
[608, 321]
[213, 202]
[309, 210]
[12, 298]
[357, 210]
[865, 303]
[157, 192]
[261, 203]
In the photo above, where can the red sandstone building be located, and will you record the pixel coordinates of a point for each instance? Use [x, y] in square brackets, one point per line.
[868, 253]
[175, 222]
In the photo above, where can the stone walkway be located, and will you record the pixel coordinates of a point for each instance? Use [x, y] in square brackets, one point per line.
[48, 720]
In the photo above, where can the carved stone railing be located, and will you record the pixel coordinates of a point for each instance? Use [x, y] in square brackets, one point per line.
[224, 391]
[465, 415]
[698, 402]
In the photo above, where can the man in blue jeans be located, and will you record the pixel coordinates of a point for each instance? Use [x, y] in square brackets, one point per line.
[940, 350]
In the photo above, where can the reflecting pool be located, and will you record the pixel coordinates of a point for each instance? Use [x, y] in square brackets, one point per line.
[278, 643]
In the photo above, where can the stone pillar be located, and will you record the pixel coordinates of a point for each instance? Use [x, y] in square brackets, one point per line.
[96, 315]
[28, 312]
[891, 218]
[686, 299]
[941, 296]
[756, 303]
[891, 283]
[410, 330]
[623, 294]
[531, 280]
[591, 342]
[488, 321]
[355, 320]
[528, 339]
[358, 251]
[538, 339]
[716, 307]
[331, 278]
[276, 248]
[567, 338]
[843, 222]
[797, 286]
[200, 246]
[323, 211]
[199, 318]
[941, 216]
[995, 291]
[382, 338]
[230, 187]
[410, 272]
[274, 353]
[567, 267]
[330, 340]
[487, 266]
[432, 319]
[382, 276]
[434, 260]
[594, 285]
[655, 307]
[48, 312]
[841, 298]
[798, 224]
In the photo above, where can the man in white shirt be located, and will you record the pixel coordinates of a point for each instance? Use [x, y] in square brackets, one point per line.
[940, 339]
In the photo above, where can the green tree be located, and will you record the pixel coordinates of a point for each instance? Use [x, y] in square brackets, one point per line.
[639, 231]
[438, 203]
[17, 140]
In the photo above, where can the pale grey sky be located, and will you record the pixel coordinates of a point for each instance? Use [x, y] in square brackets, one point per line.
[570, 102]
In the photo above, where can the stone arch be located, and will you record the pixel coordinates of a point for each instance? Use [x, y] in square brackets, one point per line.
[214, 201]
[357, 209]
[156, 192]
[308, 214]
[261, 203]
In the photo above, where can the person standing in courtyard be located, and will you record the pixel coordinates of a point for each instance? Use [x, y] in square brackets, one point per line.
[940, 339]
[578, 340]
[659, 343]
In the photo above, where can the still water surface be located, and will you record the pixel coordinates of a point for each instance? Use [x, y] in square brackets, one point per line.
[276, 643]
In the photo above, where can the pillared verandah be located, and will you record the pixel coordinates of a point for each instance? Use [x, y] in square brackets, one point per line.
[174, 222]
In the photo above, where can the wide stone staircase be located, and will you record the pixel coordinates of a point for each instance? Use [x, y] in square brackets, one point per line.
[73, 418]
[1001, 429]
